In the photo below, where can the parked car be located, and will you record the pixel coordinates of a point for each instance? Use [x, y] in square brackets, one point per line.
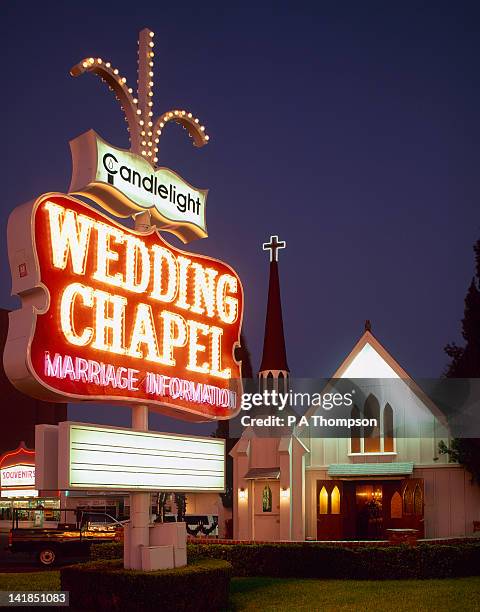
[68, 539]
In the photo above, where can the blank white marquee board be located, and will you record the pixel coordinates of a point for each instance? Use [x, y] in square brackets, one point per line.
[95, 457]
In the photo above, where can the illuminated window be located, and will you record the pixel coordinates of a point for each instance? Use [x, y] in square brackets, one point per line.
[418, 500]
[335, 500]
[372, 432]
[388, 429]
[369, 438]
[356, 432]
[267, 499]
[396, 506]
[408, 500]
[323, 501]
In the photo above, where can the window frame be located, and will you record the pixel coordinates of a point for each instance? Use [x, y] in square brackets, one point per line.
[382, 452]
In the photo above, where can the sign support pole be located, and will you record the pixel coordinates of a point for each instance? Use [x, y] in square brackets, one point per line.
[140, 503]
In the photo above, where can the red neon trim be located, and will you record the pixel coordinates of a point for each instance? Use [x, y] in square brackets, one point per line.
[20, 449]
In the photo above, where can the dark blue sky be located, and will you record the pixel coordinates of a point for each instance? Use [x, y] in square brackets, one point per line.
[351, 129]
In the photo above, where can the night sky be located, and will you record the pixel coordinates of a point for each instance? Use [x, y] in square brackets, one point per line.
[350, 129]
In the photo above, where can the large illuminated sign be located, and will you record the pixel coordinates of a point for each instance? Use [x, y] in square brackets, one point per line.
[17, 476]
[112, 314]
[147, 461]
[125, 183]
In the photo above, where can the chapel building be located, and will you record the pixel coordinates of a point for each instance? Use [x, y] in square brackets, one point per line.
[301, 485]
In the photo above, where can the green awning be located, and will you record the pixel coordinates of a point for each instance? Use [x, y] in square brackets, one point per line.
[370, 469]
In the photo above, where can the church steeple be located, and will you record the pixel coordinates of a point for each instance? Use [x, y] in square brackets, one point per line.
[274, 370]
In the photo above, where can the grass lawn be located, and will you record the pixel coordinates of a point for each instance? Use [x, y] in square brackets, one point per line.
[35, 581]
[462, 594]
[458, 594]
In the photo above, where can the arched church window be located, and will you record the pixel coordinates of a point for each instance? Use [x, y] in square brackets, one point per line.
[335, 500]
[323, 501]
[269, 381]
[388, 429]
[396, 506]
[418, 500]
[267, 499]
[356, 432]
[372, 432]
[281, 383]
[408, 500]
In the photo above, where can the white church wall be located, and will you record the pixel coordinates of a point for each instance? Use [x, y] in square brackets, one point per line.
[452, 502]
[297, 491]
[242, 490]
[264, 452]
[417, 429]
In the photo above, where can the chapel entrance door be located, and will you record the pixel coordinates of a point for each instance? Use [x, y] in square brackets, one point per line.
[332, 506]
[369, 510]
[266, 507]
[388, 504]
[404, 505]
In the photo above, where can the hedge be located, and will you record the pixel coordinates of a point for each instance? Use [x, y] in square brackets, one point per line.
[104, 585]
[323, 561]
[106, 550]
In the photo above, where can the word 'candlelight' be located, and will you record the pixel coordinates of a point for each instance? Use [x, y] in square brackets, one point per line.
[175, 302]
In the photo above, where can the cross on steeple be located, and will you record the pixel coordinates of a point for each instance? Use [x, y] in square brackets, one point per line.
[273, 246]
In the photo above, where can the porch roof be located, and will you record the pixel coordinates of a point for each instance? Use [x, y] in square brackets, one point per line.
[272, 473]
[370, 469]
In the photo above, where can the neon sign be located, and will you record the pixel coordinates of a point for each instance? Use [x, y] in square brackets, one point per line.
[17, 476]
[125, 183]
[17, 473]
[112, 314]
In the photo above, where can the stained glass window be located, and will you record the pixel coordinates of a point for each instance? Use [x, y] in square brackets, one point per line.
[267, 499]
[396, 506]
[408, 500]
[372, 432]
[356, 431]
[388, 429]
[418, 500]
[335, 500]
[323, 501]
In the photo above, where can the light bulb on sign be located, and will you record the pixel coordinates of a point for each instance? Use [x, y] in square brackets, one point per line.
[145, 85]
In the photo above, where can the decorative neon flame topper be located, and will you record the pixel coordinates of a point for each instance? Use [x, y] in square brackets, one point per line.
[134, 183]
[112, 314]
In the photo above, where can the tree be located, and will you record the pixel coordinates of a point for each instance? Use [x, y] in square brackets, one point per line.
[465, 363]
[181, 503]
[162, 499]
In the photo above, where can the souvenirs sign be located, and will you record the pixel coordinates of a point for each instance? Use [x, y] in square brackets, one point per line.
[17, 473]
[18, 476]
